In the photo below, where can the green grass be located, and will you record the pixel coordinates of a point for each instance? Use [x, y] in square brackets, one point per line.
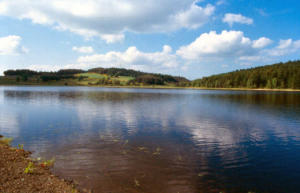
[91, 78]
[21, 146]
[92, 75]
[29, 169]
[124, 78]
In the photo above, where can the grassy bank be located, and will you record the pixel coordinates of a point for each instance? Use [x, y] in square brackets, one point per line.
[20, 173]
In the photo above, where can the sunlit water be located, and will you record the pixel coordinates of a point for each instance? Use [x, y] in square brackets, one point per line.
[160, 141]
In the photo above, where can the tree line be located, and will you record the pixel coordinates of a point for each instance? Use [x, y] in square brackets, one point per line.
[138, 77]
[45, 76]
[276, 76]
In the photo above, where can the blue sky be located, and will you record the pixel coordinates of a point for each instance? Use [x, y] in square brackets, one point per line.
[188, 38]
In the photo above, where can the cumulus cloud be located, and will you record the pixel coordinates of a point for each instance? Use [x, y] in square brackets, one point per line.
[83, 49]
[131, 58]
[262, 42]
[193, 17]
[11, 45]
[226, 48]
[109, 19]
[224, 45]
[285, 47]
[234, 47]
[231, 18]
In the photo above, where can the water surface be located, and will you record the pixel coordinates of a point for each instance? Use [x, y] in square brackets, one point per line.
[160, 141]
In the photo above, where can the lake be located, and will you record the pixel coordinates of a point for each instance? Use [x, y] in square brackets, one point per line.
[119, 140]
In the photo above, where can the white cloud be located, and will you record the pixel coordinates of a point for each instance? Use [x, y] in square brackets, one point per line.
[11, 45]
[285, 47]
[227, 48]
[131, 58]
[194, 17]
[160, 62]
[284, 44]
[233, 47]
[109, 19]
[113, 38]
[262, 42]
[83, 49]
[228, 44]
[231, 18]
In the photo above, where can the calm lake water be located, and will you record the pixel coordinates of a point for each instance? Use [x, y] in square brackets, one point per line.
[115, 140]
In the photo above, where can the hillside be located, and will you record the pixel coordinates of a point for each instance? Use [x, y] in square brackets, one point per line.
[93, 77]
[276, 76]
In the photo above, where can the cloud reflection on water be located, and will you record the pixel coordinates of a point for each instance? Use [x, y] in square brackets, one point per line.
[203, 134]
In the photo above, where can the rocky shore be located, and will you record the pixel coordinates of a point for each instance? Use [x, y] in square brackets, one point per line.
[20, 173]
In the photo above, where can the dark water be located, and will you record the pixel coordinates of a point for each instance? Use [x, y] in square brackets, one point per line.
[160, 141]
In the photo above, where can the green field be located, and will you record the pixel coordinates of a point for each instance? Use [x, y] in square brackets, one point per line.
[90, 78]
[92, 75]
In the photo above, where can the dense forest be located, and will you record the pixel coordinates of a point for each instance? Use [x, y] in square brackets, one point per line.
[276, 76]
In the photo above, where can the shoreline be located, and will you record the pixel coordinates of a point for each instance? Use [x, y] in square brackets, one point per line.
[21, 173]
[155, 87]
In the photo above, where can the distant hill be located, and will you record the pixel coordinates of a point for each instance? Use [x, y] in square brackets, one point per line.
[95, 76]
[133, 73]
[117, 72]
[276, 76]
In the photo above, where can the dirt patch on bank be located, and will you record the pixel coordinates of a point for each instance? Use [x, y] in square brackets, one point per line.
[15, 178]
